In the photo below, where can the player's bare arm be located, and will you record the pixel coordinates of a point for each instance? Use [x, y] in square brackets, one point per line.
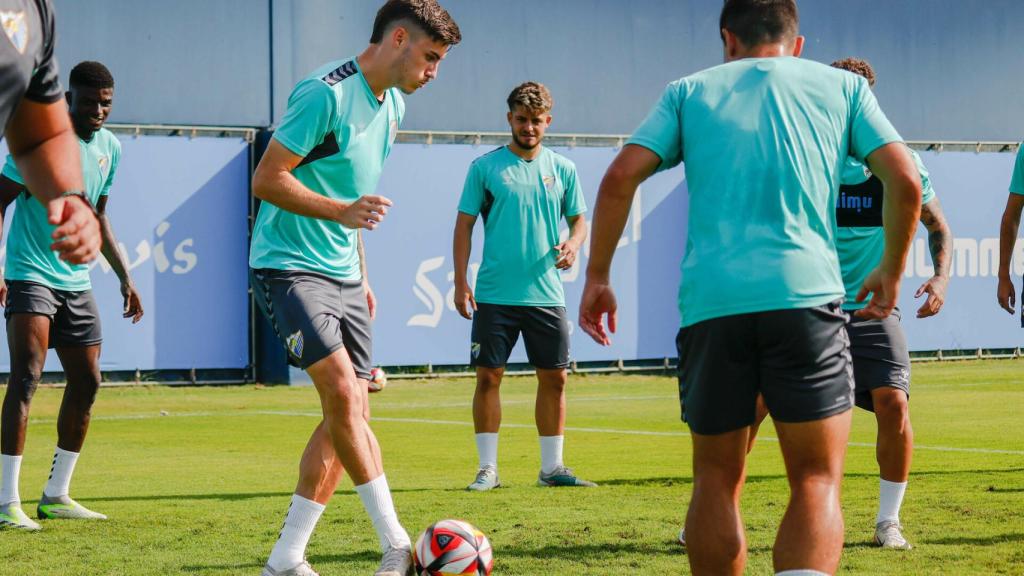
[1006, 294]
[9, 191]
[894, 165]
[371, 298]
[112, 253]
[462, 245]
[631, 167]
[568, 250]
[45, 149]
[273, 182]
[940, 244]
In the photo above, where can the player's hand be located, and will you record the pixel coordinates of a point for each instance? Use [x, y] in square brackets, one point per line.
[567, 252]
[77, 237]
[132, 302]
[884, 288]
[465, 304]
[371, 300]
[598, 300]
[1006, 294]
[366, 212]
[935, 287]
[3, 294]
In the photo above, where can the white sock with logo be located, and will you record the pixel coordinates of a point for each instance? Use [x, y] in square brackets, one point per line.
[290, 549]
[890, 499]
[376, 497]
[487, 449]
[11, 473]
[60, 473]
[551, 453]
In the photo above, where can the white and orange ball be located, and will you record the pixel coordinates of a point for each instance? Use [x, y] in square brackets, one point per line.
[378, 380]
[452, 548]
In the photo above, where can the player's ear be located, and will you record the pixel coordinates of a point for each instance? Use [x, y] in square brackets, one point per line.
[798, 46]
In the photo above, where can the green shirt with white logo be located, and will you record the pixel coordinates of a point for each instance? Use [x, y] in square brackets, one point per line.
[763, 141]
[860, 244]
[522, 204]
[343, 134]
[29, 257]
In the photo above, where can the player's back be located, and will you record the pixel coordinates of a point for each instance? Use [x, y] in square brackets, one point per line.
[763, 141]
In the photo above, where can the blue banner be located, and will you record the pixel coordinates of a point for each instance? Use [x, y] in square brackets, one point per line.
[411, 271]
[179, 210]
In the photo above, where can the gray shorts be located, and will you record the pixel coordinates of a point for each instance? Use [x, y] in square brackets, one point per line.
[74, 317]
[315, 315]
[496, 329]
[880, 357]
[799, 360]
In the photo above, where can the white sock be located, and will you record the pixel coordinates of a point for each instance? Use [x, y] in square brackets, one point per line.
[60, 473]
[376, 497]
[890, 498]
[551, 453]
[800, 573]
[487, 449]
[290, 549]
[11, 472]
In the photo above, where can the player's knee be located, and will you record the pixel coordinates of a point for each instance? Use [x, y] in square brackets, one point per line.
[24, 383]
[344, 398]
[488, 379]
[84, 390]
[892, 406]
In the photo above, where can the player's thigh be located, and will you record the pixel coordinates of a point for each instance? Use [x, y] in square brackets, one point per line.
[494, 334]
[806, 369]
[29, 313]
[881, 361]
[718, 374]
[77, 321]
[304, 310]
[546, 337]
[356, 328]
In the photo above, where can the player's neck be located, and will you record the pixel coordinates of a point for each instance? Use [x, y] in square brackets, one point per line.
[525, 153]
[766, 51]
[376, 74]
[85, 134]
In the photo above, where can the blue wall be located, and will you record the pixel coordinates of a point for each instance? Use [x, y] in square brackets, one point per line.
[948, 69]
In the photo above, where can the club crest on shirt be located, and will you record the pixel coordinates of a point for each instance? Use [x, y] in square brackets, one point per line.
[102, 161]
[295, 344]
[867, 172]
[16, 29]
[549, 182]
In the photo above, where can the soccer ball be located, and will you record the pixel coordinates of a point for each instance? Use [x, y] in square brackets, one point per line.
[452, 548]
[378, 380]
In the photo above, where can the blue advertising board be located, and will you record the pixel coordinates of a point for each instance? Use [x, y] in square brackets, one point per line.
[411, 270]
[179, 209]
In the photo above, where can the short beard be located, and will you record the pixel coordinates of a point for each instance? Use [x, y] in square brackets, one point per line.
[515, 138]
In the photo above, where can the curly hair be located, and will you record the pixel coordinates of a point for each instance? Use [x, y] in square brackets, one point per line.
[91, 74]
[428, 15]
[533, 96]
[857, 66]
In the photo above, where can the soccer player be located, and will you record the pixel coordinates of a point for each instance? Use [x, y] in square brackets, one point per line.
[881, 363]
[522, 191]
[764, 138]
[309, 273]
[1006, 293]
[48, 303]
[39, 135]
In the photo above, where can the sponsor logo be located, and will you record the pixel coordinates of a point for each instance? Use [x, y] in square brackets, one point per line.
[295, 344]
[15, 28]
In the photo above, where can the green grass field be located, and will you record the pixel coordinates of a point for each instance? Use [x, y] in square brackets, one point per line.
[203, 489]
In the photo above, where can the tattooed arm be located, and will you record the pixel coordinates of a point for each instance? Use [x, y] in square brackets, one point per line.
[940, 243]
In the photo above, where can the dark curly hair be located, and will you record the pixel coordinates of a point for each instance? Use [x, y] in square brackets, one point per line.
[857, 66]
[91, 74]
[533, 96]
[428, 15]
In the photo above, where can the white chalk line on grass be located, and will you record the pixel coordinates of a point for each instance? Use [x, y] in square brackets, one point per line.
[464, 423]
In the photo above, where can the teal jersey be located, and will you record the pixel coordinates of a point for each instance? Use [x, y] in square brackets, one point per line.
[860, 240]
[763, 141]
[522, 203]
[343, 134]
[29, 256]
[1017, 181]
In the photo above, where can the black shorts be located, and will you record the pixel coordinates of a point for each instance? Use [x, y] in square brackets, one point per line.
[799, 360]
[880, 357]
[74, 317]
[496, 329]
[315, 315]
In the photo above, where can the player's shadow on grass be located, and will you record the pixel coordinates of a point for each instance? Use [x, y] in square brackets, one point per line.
[230, 497]
[980, 541]
[574, 552]
[669, 481]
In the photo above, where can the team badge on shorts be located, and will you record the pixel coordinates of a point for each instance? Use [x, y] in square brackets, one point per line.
[474, 350]
[14, 27]
[295, 344]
